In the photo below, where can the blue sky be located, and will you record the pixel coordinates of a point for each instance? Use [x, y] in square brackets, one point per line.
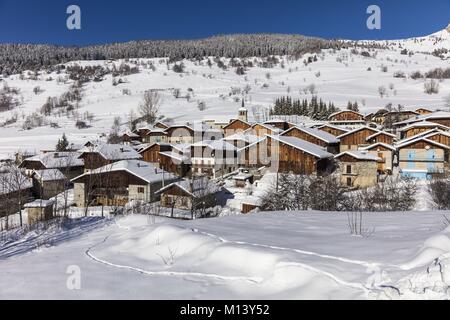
[44, 21]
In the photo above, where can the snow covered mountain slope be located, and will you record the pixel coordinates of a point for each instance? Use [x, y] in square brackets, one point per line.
[297, 255]
[337, 76]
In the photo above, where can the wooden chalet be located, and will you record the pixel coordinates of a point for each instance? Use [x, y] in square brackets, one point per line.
[236, 126]
[261, 130]
[119, 183]
[355, 139]
[191, 195]
[318, 137]
[279, 123]
[102, 154]
[440, 117]
[423, 111]
[385, 152]
[287, 154]
[130, 138]
[334, 130]
[48, 183]
[382, 136]
[69, 163]
[151, 152]
[15, 191]
[420, 127]
[177, 161]
[155, 135]
[358, 169]
[422, 157]
[180, 134]
[241, 140]
[347, 117]
[391, 117]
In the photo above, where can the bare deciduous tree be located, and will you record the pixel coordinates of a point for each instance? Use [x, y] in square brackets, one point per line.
[149, 107]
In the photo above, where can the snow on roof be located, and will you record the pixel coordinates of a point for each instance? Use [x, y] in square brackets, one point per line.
[268, 126]
[407, 143]
[176, 156]
[360, 155]
[339, 112]
[113, 151]
[140, 169]
[319, 134]
[356, 130]
[49, 174]
[387, 146]
[131, 134]
[183, 147]
[333, 127]
[434, 115]
[39, 204]
[144, 147]
[381, 133]
[425, 124]
[303, 145]
[53, 160]
[199, 187]
[250, 138]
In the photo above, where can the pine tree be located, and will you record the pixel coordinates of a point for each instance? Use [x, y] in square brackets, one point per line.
[62, 144]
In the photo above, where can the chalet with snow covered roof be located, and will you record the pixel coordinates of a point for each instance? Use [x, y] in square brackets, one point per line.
[286, 154]
[130, 138]
[318, 137]
[69, 163]
[48, 183]
[161, 125]
[347, 118]
[213, 158]
[422, 158]
[355, 139]
[102, 154]
[151, 152]
[241, 140]
[440, 117]
[334, 130]
[279, 123]
[423, 111]
[193, 195]
[155, 135]
[390, 117]
[358, 169]
[385, 152]
[419, 127]
[177, 161]
[383, 137]
[15, 191]
[236, 126]
[261, 130]
[119, 183]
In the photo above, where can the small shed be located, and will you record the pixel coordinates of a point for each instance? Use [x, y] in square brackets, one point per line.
[39, 210]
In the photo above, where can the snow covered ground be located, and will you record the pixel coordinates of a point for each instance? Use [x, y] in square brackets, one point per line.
[296, 255]
[338, 76]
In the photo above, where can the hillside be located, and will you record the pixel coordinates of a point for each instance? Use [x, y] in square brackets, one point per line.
[339, 75]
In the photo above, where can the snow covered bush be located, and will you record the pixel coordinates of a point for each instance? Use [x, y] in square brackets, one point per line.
[431, 87]
[439, 191]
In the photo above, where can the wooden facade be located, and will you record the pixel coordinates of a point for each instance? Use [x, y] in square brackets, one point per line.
[180, 134]
[335, 131]
[356, 138]
[94, 160]
[175, 165]
[261, 130]
[151, 154]
[304, 135]
[346, 115]
[423, 111]
[382, 137]
[235, 126]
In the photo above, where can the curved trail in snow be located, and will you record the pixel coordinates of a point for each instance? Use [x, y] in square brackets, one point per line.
[309, 253]
[167, 273]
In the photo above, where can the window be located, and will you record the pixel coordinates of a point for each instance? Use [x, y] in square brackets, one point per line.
[349, 169]
[141, 190]
[349, 182]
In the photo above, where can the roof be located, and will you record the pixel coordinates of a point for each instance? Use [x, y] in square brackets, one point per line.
[356, 130]
[387, 146]
[39, 204]
[113, 151]
[409, 142]
[333, 127]
[198, 187]
[140, 169]
[434, 115]
[360, 155]
[131, 134]
[183, 147]
[49, 175]
[381, 133]
[10, 182]
[53, 160]
[176, 156]
[250, 138]
[303, 145]
[268, 126]
[425, 124]
[319, 134]
[339, 112]
[148, 146]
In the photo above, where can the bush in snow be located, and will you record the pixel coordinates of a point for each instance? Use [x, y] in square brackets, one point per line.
[431, 87]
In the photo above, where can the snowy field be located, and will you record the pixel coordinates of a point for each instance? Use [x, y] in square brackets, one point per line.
[258, 256]
[338, 76]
